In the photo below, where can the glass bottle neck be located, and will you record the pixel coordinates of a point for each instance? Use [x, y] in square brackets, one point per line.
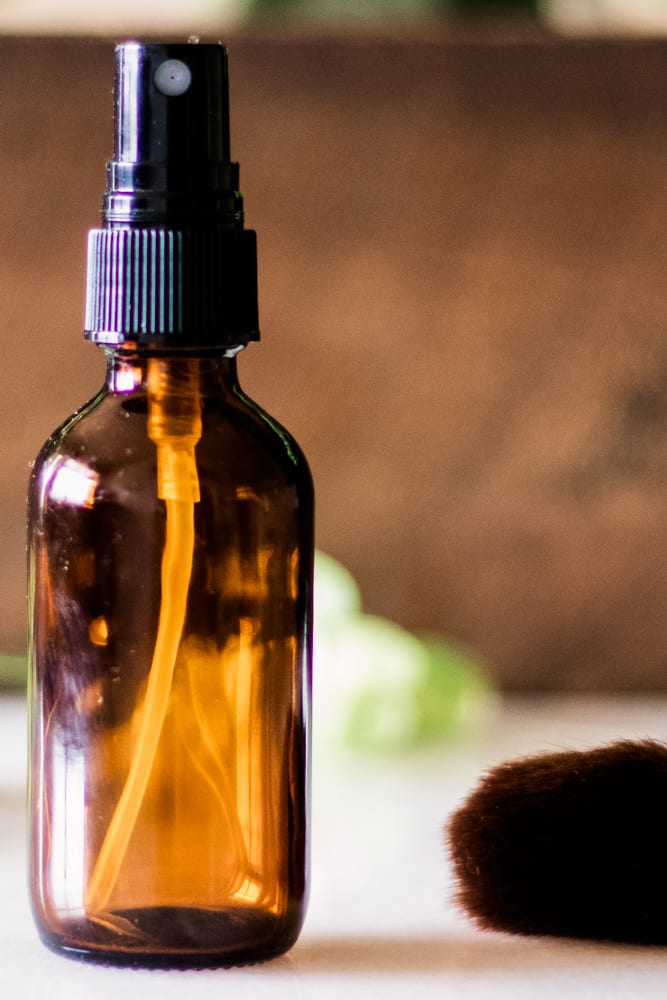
[132, 371]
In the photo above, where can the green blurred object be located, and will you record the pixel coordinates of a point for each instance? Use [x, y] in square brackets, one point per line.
[336, 592]
[13, 671]
[457, 692]
[379, 688]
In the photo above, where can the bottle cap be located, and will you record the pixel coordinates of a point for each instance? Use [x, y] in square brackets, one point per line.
[172, 265]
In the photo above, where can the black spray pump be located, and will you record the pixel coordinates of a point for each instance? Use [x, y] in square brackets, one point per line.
[172, 264]
[171, 564]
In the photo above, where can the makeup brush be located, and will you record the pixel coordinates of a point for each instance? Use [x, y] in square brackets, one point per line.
[572, 844]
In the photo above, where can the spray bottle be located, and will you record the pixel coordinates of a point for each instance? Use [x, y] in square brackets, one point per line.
[170, 573]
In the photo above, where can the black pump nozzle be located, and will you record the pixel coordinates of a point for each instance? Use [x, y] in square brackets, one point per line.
[171, 148]
[171, 103]
[172, 265]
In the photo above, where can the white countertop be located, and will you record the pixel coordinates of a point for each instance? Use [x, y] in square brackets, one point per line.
[380, 920]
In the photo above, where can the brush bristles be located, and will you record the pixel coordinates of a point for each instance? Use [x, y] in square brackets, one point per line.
[572, 844]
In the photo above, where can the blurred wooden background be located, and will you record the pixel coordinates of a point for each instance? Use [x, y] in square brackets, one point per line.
[463, 257]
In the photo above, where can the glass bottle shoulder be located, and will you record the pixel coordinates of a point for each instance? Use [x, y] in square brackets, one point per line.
[100, 442]
[274, 442]
[105, 448]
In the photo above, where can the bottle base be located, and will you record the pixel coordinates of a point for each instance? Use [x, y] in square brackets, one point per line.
[175, 937]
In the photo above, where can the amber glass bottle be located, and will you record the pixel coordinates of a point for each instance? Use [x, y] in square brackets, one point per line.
[170, 557]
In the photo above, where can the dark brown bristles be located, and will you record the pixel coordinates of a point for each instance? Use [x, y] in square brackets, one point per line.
[572, 844]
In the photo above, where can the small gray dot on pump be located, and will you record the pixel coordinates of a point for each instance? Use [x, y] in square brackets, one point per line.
[172, 77]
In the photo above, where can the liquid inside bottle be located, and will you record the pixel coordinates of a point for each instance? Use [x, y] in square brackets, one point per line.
[170, 554]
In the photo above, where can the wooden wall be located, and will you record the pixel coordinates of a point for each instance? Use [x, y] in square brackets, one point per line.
[463, 259]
